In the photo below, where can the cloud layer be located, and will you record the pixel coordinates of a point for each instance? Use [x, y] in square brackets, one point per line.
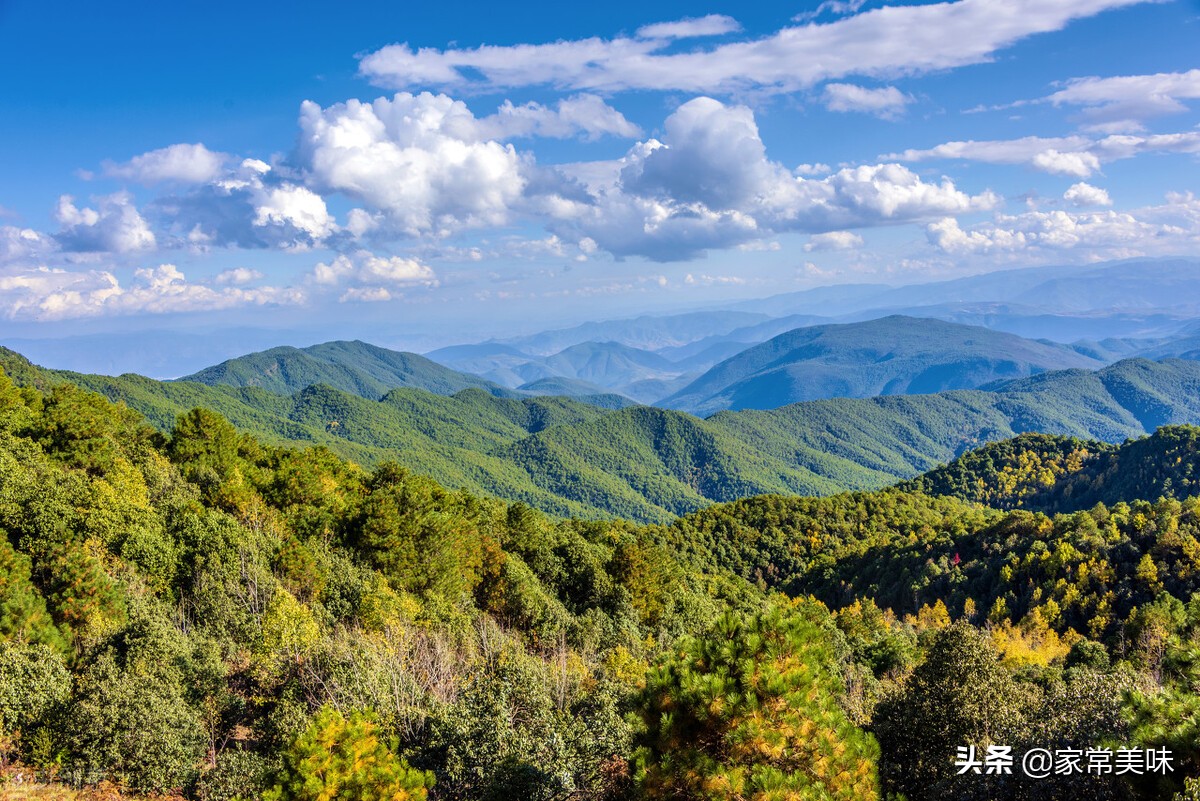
[883, 42]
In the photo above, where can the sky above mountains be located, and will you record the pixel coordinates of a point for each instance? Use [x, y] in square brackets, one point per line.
[455, 168]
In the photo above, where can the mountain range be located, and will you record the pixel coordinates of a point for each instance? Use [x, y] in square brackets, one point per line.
[646, 463]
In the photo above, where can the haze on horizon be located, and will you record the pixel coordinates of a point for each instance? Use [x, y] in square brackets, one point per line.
[431, 174]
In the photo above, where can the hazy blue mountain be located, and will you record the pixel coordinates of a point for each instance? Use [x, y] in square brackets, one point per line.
[647, 332]
[1036, 323]
[890, 356]
[1169, 286]
[609, 364]
[1183, 347]
[356, 367]
[694, 353]
[604, 366]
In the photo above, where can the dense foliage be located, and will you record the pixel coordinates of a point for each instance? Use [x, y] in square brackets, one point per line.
[201, 612]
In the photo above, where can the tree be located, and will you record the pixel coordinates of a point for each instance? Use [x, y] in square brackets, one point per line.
[750, 711]
[342, 759]
[33, 681]
[130, 722]
[23, 614]
[960, 696]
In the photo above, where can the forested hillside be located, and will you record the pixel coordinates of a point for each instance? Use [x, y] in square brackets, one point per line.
[1054, 474]
[354, 367]
[203, 614]
[566, 457]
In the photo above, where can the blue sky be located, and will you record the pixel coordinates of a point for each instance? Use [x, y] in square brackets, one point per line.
[426, 173]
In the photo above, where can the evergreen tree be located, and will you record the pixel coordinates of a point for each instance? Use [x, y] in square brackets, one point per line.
[750, 711]
[342, 759]
[959, 696]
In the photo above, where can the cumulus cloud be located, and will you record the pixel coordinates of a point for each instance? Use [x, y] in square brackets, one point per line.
[417, 159]
[1155, 230]
[182, 163]
[882, 42]
[114, 226]
[1084, 194]
[887, 102]
[834, 240]
[22, 243]
[1075, 156]
[371, 272]
[1078, 165]
[709, 184]
[57, 294]
[249, 207]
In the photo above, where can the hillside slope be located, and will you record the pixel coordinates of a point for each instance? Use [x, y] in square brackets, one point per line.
[651, 464]
[1064, 474]
[365, 370]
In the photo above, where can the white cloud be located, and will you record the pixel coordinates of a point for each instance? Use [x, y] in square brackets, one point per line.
[57, 294]
[1084, 194]
[709, 184]
[22, 243]
[1078, 165]
[1076, 156]
[1130, 97]
[373, 294]
[712, 154]
[887, 102]
[416, 159]
[115, 226]
[237, 276]
[296, 207]
[1125, 146]
[834, 240]
[364, 267]
[1157, 230]
[812, 169]
[249, 206]
[581, 114]
[889, 41]
[710, 280]
[1048, 153]
[183, 163]
[710, 25]
[837, 8]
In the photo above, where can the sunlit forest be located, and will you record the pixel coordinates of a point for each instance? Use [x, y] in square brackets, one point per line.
[200, 614]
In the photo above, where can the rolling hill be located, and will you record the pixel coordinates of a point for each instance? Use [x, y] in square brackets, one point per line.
[365, 370]
[651, 464]
[890, 356]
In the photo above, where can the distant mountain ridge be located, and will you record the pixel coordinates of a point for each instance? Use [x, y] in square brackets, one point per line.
[652, 464]
[366, 370]
[894, 355]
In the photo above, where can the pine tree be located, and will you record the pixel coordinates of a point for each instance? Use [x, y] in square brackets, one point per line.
[343, 758]
[750, 711]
